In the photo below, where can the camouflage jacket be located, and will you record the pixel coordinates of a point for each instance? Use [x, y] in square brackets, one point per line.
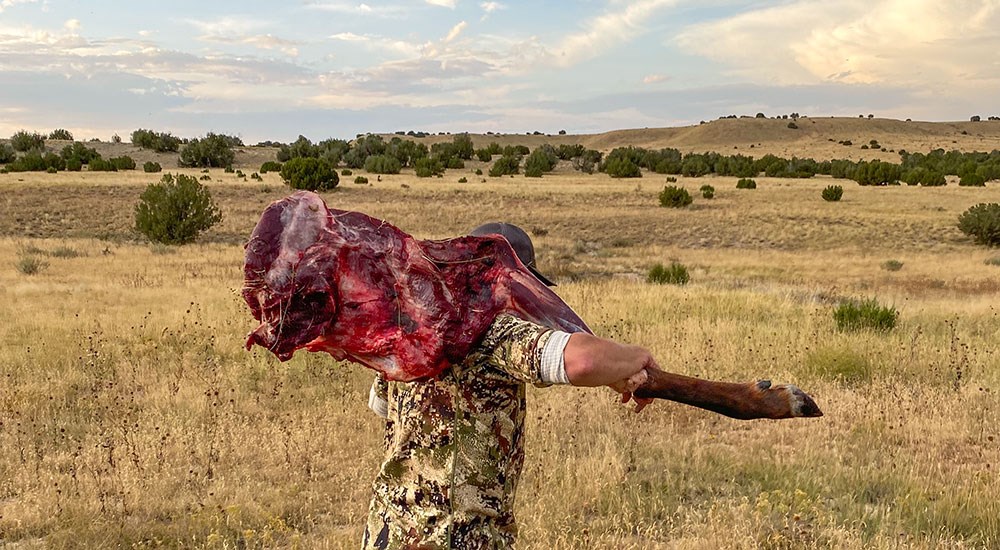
[454, 447]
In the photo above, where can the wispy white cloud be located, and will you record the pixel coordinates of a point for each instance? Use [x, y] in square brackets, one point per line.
[455, 31]
[654, 78]
[490, 7]
[613, 27]
[351, 8]
[4, 4]
[350, 37]
[243, 30]
[442, 3]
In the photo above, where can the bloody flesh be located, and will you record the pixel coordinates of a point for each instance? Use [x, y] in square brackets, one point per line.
[361, 290]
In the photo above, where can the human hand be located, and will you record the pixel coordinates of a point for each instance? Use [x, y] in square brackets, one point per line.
[627, 386]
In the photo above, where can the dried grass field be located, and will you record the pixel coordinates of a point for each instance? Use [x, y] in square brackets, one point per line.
[131, 416]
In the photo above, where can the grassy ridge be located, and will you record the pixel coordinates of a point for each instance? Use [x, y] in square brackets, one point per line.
[131, 415]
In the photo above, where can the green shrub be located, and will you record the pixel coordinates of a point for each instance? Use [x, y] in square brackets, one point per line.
[51, 170]
[382, 164]
[309, 173]
[672, 179]
[479, 172]
[346, 172]
[982, 223]
[206, 177]
[212, 151]
[360, 179]
[833, 193]
[30, 264]
[74, 165]
[892, 265]
[62, 134]
[34, 161]
[746, 183]
[157, 141]
[484, 155]
[101, 165]
[463, 179]
[995, 260]
[175, 210]
[707, 191]
[151, 167]
[270, 166]
[426, 167]
[972, 179]
[793, 126]
[674, 274]
[24, 141]
[854, 315]
[455, 163]
[622, 167]
[79, 151]
[675, 197]
[7, 153]
[122, 163]
[505, 165]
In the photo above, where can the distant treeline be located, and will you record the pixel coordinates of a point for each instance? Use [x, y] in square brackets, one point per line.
[374, 154]
[927, 169]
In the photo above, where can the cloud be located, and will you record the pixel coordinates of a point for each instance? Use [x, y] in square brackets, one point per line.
[350, 8]
[923, 44]
[490, 7]
[241, 30]
[654, 78]
[442, 3]
[72, 25]
[350, 37]
[4, 4]
[621, 25]
[455, 31]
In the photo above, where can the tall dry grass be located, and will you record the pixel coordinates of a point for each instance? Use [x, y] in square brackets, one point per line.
[131, 416]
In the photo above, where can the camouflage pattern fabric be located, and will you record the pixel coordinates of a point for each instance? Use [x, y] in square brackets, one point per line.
[454, 447]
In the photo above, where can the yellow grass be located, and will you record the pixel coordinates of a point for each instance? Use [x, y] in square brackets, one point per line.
[131, 416]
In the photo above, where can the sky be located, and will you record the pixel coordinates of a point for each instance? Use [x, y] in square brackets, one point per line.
[331, 68]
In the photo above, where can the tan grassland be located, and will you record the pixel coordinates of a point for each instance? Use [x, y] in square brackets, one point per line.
[131, 416]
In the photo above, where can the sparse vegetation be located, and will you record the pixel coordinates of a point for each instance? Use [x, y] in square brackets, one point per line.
[892, 265]
[982, 223]
[161, 142]
[272, 166]
[675, 197]
[832, 193]
[175, 210]
[674, 274]
[212, 151]
[29, 264]
[505, 165]
[62, 134]
[25, 141]
[855, 315]
[312, 174]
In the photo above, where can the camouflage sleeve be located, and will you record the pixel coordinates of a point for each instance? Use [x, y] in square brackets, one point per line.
[516, 347]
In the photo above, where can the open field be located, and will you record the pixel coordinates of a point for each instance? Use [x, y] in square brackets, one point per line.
[130, 415]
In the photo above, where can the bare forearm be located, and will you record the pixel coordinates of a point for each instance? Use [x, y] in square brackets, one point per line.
[593, 361]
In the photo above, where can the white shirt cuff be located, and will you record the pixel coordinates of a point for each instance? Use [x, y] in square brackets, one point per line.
[377, 404]
[553, 366]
